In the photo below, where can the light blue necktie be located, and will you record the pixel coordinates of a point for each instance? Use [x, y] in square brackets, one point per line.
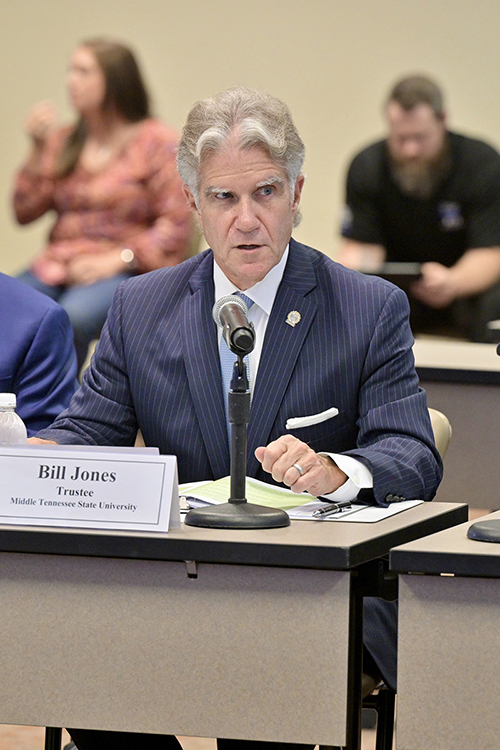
[227, 360]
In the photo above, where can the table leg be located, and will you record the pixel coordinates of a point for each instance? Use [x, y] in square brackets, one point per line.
[355, 671]
[53, 738]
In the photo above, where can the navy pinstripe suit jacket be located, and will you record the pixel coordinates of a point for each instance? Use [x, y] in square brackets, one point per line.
[156, 367]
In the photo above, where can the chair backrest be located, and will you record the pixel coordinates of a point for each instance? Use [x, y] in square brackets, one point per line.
[442, 430]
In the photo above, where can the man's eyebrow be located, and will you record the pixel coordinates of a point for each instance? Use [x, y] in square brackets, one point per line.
[271, 181]
[214, 190]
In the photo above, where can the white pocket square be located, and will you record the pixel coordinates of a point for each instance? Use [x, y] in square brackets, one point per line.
[295, 422]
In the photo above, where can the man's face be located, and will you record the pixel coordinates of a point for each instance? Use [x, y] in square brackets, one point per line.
[416, 136]
[246, 211]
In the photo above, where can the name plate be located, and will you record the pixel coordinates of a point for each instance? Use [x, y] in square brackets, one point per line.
[90, 488]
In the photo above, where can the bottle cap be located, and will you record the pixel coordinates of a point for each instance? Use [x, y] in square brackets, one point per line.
[8, 399]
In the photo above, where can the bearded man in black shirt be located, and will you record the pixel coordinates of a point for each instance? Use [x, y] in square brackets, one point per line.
[429, 196]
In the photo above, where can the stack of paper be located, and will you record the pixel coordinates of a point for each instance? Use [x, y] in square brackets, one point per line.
[299, 507]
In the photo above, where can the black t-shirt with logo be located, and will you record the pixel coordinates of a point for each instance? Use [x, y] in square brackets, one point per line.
[462, 213]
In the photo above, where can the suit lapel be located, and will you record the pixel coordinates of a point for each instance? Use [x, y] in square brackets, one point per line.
[281, 348]
[280, 351]
[202, 362]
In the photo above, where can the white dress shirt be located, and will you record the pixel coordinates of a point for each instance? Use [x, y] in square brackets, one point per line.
[263, 294]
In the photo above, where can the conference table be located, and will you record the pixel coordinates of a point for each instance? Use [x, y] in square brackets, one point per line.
[251, 634]
[449, 641]
[462, 379]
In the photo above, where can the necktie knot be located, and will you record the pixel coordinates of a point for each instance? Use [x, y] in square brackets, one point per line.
[248, 302]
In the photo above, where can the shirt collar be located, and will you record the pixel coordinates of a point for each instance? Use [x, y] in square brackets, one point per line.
[262, 293]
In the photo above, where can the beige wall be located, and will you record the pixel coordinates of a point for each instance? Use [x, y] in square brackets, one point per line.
[331, 61]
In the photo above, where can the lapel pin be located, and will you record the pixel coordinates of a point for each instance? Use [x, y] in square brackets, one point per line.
[293, 318]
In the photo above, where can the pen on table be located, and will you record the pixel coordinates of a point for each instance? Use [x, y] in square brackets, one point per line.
[328, 510]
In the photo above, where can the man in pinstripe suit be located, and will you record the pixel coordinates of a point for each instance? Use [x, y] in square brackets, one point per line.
[326, 337]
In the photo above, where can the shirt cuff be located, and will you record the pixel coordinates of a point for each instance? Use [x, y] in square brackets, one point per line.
[359, 477]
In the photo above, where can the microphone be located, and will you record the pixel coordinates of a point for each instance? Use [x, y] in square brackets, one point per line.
[230, 314]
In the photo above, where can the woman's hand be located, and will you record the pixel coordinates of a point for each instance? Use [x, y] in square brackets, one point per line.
[40, 121]
[88, 268]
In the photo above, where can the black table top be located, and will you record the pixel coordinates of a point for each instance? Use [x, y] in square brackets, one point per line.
[304, 544]
[449, 551]
[457, 375]
[452, 361]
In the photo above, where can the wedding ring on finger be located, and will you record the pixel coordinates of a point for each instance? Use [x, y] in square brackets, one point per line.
[299, 469]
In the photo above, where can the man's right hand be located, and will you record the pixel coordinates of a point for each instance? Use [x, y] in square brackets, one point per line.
[40, 441]
[294, 463]
[436, 287]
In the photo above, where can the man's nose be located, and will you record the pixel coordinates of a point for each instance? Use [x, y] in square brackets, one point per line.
[411, 148]
[246, 217]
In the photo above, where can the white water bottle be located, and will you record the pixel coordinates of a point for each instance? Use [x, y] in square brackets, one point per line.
[12, 427]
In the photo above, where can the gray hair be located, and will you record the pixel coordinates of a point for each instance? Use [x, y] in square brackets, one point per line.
[253, 118]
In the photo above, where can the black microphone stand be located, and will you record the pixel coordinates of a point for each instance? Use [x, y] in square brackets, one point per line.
[237, 513]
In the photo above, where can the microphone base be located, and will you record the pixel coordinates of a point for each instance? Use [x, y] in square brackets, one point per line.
[237, 516]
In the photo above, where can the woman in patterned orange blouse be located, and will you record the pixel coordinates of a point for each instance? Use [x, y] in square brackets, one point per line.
[112, 182]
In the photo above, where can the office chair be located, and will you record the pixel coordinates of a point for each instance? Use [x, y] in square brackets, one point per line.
[441, 428]
[383, 700]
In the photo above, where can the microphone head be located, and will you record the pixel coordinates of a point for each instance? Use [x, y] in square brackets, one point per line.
[228, 299]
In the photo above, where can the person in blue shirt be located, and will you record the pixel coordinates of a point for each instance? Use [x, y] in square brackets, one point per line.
[37, 353]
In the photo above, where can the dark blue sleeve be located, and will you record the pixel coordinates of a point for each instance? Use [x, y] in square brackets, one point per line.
[395, 432]
[46, 379]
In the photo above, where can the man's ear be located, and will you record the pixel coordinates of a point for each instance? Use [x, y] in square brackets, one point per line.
[299, 184]
[192, 203]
